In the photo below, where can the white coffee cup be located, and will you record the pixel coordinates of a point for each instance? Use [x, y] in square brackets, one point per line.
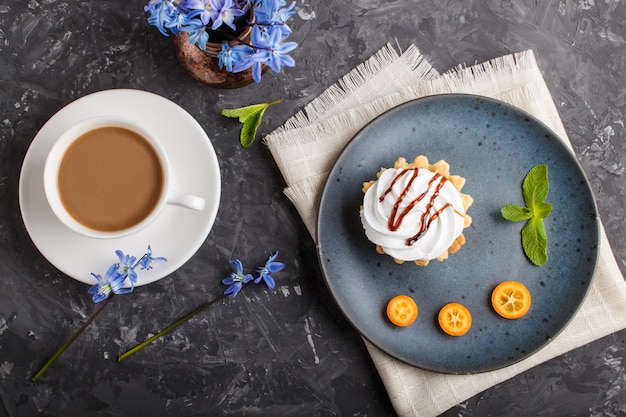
[167, 194]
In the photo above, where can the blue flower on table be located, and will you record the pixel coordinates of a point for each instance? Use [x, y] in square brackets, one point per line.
[112, 282]
[235, 282]
[264, 272]
[127, 265]
[236, 279]
[115, 277]
[146, 261]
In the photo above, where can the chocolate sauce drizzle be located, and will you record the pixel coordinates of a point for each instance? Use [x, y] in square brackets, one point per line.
[395, 218]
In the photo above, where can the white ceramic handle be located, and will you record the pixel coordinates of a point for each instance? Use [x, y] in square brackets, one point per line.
[185, 200]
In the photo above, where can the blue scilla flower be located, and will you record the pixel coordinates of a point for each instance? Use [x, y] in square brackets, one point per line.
[231, 56]
[214, 20]
[177, 21]
[206, 10]
[272, 12]
[236, 279]
[246, 53]
[226, 15]
[163, 15]
[115, 277]
[285, 13]
[272, 51]
[270, 266]
[197, 33]
[112, 282]
[146, 260]
[127, 265]
[269, 3]
[263, 38]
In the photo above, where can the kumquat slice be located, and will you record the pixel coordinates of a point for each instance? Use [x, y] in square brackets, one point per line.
[455, 319]
[402, 310]
[511, 299]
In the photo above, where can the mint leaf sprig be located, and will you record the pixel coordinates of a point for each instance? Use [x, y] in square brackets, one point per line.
[535, 190]
[250, 116]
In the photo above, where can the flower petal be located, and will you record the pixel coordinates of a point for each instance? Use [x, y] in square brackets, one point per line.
[276, 266]
[269, 281]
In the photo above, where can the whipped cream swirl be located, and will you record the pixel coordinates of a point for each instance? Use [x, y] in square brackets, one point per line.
[413, 214]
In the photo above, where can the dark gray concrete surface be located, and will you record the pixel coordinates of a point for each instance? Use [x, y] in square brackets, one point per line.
[287, 352]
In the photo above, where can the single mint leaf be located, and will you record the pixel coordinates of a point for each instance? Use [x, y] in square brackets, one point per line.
[535, 241]
[515, 213]
[535, 186]
[249, 128]
[243, 112]
[542, 210]
[250, 117]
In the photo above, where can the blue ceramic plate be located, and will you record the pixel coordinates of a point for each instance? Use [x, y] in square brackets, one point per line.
[492, 145]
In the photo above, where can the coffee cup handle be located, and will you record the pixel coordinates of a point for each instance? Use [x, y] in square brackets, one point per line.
[185, 200]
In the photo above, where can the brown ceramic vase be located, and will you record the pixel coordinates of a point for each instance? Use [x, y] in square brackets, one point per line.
[203, 65]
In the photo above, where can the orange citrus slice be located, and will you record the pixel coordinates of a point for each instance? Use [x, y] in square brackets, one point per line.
[455, 319]
[511, 299]
[402, 310]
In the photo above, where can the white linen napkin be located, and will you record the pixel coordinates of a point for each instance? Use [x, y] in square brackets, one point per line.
[307, 145]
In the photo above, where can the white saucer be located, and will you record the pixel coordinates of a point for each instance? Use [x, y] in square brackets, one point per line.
[178, 232]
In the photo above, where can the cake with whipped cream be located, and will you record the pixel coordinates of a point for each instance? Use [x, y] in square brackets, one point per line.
[416, 211]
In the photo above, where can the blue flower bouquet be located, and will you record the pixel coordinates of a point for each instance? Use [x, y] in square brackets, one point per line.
[248, 34]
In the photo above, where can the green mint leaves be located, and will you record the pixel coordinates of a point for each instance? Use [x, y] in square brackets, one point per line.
[535, 189]
[250, 117]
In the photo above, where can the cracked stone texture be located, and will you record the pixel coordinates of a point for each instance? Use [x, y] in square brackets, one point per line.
[287, 352]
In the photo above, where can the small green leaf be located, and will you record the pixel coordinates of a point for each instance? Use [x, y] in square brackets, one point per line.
[535, 187]
[250, 117]
[244, 112]
[535, 241]
[249, 128]
[515, 213]
[542, 210]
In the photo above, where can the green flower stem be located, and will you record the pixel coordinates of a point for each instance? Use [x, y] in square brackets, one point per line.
[71, 340]
[170, 328]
